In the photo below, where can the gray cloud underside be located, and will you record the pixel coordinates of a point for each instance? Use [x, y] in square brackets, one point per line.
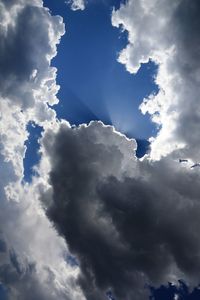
[126, 226]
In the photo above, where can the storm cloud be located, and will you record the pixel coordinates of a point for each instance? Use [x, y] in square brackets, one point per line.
[129, 222]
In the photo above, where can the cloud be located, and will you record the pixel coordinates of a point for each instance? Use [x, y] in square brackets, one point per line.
[129, 222]
[133, 222]
[26, 78]
[32, 264]
[168, 34]
[76, 4]
[33, 258]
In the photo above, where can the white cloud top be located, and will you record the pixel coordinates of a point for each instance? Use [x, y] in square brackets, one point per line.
[167, 32]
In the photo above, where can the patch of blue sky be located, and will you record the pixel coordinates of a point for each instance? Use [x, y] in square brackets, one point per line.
[72, 260]
[32, 155]
[3, 293]
[172, 292]
[110, 296]
[94, 85]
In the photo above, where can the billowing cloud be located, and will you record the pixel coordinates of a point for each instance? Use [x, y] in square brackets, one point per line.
[167, 32]
[33, 258]
[26, 78]
[129, 222]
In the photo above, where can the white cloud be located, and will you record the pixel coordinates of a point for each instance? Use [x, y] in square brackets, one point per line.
[33, 264]
[21, 58]
[167, 33]
[76, 4]
[139, 216]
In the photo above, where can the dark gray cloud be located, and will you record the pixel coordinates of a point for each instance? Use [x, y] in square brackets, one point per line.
[126, 228]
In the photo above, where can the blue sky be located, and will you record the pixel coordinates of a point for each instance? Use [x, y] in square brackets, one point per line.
[94, 85]
[92, 220]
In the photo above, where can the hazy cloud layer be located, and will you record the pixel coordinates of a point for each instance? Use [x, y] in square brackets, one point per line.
[167, 32]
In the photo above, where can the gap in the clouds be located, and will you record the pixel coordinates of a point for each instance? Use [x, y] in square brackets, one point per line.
[169, 292]
[72, 260]
[143, 147]
[3, 293]
[110, 296]
[173, 292]
[32, 155]
[94, 86]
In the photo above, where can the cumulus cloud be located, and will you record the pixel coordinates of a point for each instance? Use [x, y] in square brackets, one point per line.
[134, 222]
[26, 78]
[167, 32]
[33, 258]
[129, 222]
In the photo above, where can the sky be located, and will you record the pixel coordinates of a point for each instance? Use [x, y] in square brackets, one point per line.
[98, 87]
[99, 149]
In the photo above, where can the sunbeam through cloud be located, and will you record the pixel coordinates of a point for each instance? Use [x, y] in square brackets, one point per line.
[99, 150]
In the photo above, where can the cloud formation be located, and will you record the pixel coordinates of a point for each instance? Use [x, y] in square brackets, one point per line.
[167, 32]
[133, 222]
[26, 77]
[129, 222]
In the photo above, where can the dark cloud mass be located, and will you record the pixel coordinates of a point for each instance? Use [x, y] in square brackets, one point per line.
[126, 229]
